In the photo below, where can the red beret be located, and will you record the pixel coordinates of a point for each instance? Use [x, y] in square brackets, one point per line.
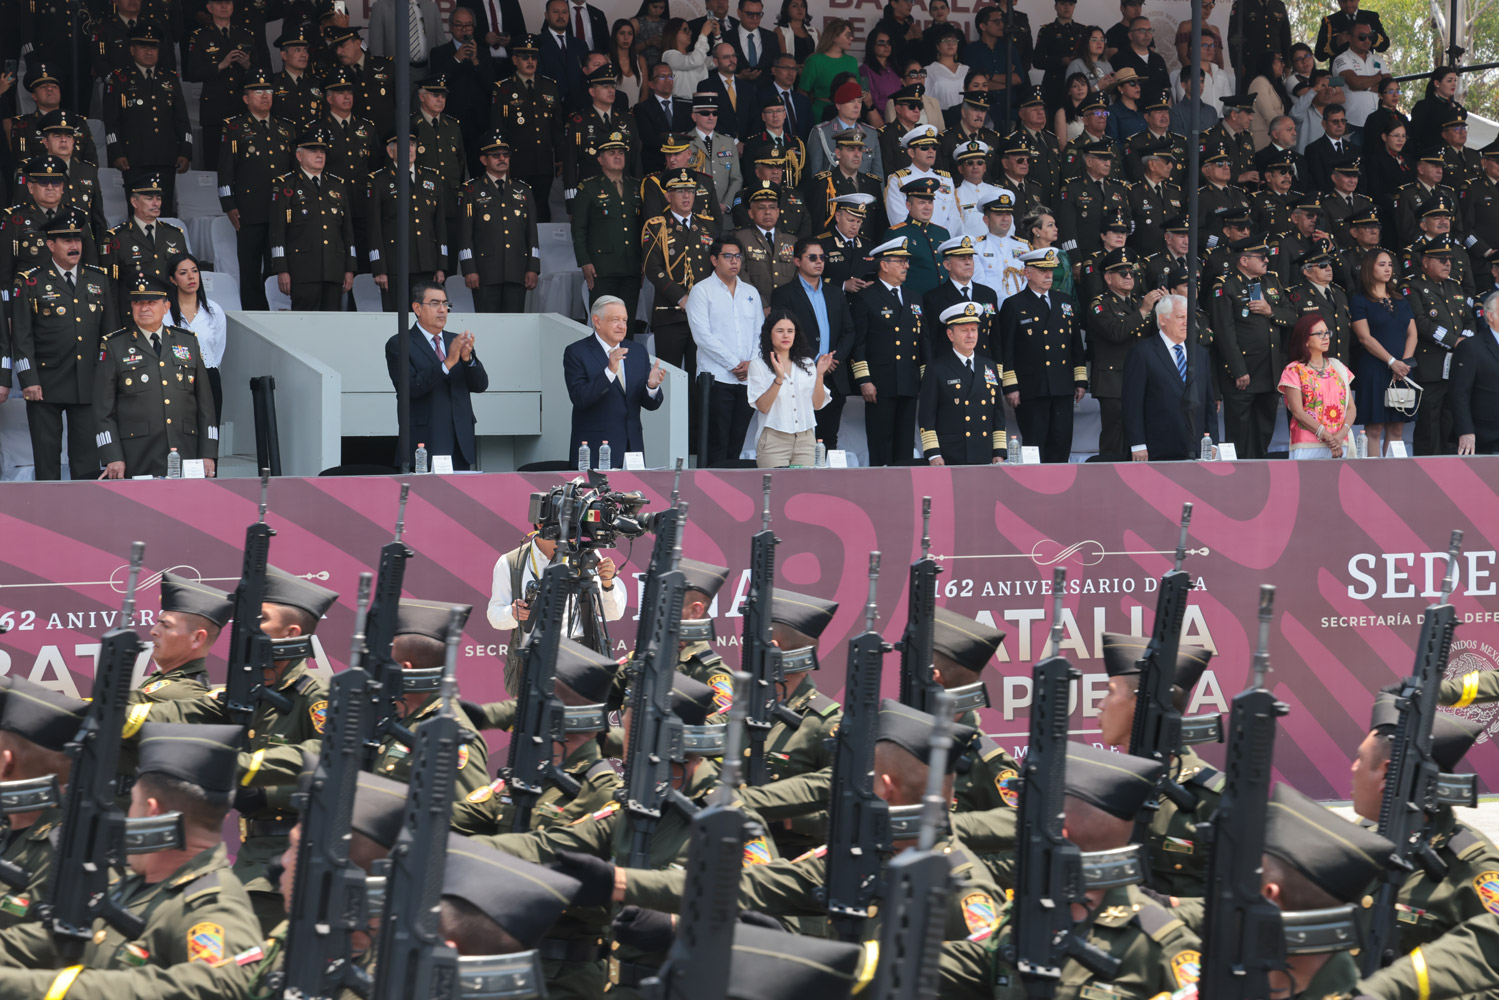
[849, 91]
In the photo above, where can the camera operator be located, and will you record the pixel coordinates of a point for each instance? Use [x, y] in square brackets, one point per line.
[514, 572]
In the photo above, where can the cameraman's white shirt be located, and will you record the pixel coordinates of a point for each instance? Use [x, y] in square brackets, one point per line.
[500, 599]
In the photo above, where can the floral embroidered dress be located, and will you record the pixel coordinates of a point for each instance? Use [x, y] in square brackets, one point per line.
[1325, 395]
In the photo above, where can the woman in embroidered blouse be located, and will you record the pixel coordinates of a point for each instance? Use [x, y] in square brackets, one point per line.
[1319, 394]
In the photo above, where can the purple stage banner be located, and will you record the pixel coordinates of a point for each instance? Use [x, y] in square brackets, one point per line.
[1355, 550]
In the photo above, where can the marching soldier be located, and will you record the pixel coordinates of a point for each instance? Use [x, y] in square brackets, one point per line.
[1157, 136]
[970, 129]
[257, 150]
[143, 370]
[145, 117]
[1117, 320]
[1444, 319]
[221, 57]
[373, 78]
[1345, 203]
[311, 230]
[36, 721]
[1251, 313]
[921, 145]
[606, 227]
[960, 415]
[1042, 363]
[696, 657]
[498, 252]
[23, 234]
[428, 257]
[770, 168]
[1154, 198]
[676, 150]
[439, 142]
[142, 245]
[299, 95]
[45, 91]
[844, 177]
[1317, 293]
[587, 131]
[768, 248]
[676, 246]
[844, 243]
[63, 308]
[972, 192]
[192, 615]
[889, 349]
[923, 236]
[1091, 199]
[1216, 192]
[713, 153]
[353, 151]
[530, 110]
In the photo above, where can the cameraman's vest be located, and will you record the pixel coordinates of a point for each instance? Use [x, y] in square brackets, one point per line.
[515, 559]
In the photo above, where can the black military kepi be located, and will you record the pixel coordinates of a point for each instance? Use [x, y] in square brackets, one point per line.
[1337, 856]
[494, 141]
[428, 618]
[179, 594]
[1452, 736]
[1117, 783]
[294, 592]
[524, 899]
[40, 715]
[147, 288]
[912, 731]
[69, 222]
[591, 676]
[774, 965]
[805, 614]
[1121, 658]
[705, 578]
[206, 756]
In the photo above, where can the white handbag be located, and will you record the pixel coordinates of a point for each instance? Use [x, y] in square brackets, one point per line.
[1403, 396]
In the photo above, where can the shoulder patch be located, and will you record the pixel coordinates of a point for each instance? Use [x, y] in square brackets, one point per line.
[486, 793]
[462, 755]
[318, 713]
[980, 915]
[1186, 966]
[757, 851]
[156, 685]
[1487, 887]
[723, 691]
[205, 943]
[1007, 783]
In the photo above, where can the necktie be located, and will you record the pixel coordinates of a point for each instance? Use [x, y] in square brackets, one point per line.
[1181, 361]
[968, 363]
[733, 97]
[752, 51]
[666, 110]
[317, 183]
[578, 24]
[495, 24]
[130, 25]
[156, 344]
[898, 299]
[50, 214]
[790, 115]
[442, 356]
[968, 292]
[418, 44]
[530, 88]
[72, 284]
[150, 234]
[606, 120]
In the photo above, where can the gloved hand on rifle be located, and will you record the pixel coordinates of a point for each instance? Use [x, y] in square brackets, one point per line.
[475, 713]
[648, 930]
[249, 800]
[596, 874]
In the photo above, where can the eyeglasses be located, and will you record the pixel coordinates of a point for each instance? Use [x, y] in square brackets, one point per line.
[666, 76]
[436, 303]
[745, 15]
[1364, 37]
[731, 256]
[814, 256]
[916, 74]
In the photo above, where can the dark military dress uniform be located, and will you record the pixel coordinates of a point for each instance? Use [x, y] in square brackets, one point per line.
[23, 244]
[1115, 326]
[1042, 359]
[960, 415]
[374, 91]
[767, 266]
[130, 254]
[846, 257]
[1480, 212]
[585, 134]
[792, 150]
[256, 152]
[949, 141]
[1134, 151]
[653, 203]
[1085, 204]
[58, 325]
[1239, 147]
[299, 99]
[354, 151]
[439, 146]
[1462, 265]
[1210, 198]
[1340, 23]
[888, 352]
[82, 191]
[676, 258]
[497, 241]
[1341, 211]
[1460, 166]
[26, 139]
[531, 113]
[220, 97]
[312, 238]
[1046, 161]
[1332, 305]
[428, 252]
[1150, 206]
[1248, 343]
[1056, 47]
[1271, 212]
[606, 234]
[148, 402]
[1412, 201]
[146, 123]
[111, 45]
[819, 190]
[922, 240]
[1443, 315]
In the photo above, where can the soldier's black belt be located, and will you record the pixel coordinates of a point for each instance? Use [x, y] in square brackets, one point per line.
[630, 973]
[1312, 932]
[696, 630]
[500, 977]
[557, 950]
[265, 828]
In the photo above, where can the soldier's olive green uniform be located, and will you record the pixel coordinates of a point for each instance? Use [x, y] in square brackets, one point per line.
[312, 238]
[470, 815]
[146, 404]
[698, 661]
[606, 234]
[1178, 860]
[766, 266]
[676, 258]
[1430, 908]
[584, 133]
[354, 151]
[497, 715]
[990, 784]
[1210, 198]
[146, 123]
[653, 203]
[199, 914]
[1462, 963]
[127, 254]
[803, 750]
[532, 114]
[1332, 306]
[299, 99]
[1475, 687]
[187, 681]
[23, 243]
[32, 851]
[1157, 953]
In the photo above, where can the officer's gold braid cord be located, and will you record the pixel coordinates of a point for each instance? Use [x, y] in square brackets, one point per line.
[666, 261]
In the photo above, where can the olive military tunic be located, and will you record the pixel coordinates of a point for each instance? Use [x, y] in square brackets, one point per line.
[32, 851]
[1430, 908]
[1178, 859]
[178, 684]
[128, 254]
[146, 404]
[57, 330]
[23, 243]
[298, 99]
[585, 131]
[473, 812]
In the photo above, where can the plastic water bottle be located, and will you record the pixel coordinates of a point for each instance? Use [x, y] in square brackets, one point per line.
[1363, 444]
[421, 458]
[174, 465]
[821, 459]
[604, 457]
[1205, 453]
[1012, 450]
[583, 457]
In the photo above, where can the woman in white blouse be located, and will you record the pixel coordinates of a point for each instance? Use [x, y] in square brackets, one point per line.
[191, 310]
[785, 385]
[686, 55]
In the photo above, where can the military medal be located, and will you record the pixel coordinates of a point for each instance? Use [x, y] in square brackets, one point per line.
[62, 310]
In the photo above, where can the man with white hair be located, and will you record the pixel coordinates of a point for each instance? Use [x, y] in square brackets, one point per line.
[1157, 380]
[609, 383]
[1474, 392]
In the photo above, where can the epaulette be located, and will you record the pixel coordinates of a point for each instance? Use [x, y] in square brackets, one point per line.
[96, 267]
[986, 746]
[26, 273]
[900, 225]
[1156, 920]
[198, 886]
[1465, 842]
[866, 174]
[301, 684]
[902, 171]
[943, 173]
[332, 176]
[111, 334]
[598, 768]
[704, 216]
[1208, 777]
[822, 704]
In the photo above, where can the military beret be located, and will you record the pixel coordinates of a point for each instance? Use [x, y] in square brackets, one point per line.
[203, 755]
[528, 44]
[147, 288]
[436, 84]
[68, 222]
[808, 615]
[921, 187]
[428, 618]
[45, 717]
[969, 643]
[40, 74]
[1117, 783]
[847, 91]
[525, 899]
[258, 79]
[616, 140]
[1119, 260]
[45, 167]
[763, 191]
[192, 597]
[691, 700]
[379, 806]
[1451, 735]
[958, 246]
[494, 141]
[774, 965]
[589, 673]
[891, 248]
[1340, 857]
[921, 135]
[705, 578]
[850, 137]
[1121, 658]
[1045, 258]
[912, 731]
[294, 592]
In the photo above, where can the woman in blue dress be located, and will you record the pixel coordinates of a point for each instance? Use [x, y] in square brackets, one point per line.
[1386, 329]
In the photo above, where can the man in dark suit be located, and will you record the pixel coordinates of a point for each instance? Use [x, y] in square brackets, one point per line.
[497, 23]
[609, 383]
[960, 256]
[1328, 150]
[735, 100]
[1474, 392]
[822, 311]
[470, 72]
[782, 84]
[444, 372]
[718, 11]
[1155, 376]
[755, 47]
[560, 54]
[588, 25]
[660, 114]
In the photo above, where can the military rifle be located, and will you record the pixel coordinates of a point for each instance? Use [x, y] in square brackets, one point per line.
[859, 821]
[918, 685]
[250, 649]
[760, 657]
[378, 722]
[1242, 938]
